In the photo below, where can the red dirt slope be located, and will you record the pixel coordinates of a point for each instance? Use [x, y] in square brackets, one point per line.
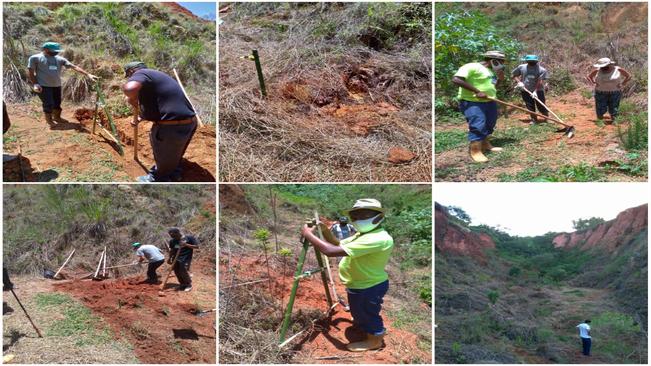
[610, 234]
[326, 341]
[160, 329]
[451, 238]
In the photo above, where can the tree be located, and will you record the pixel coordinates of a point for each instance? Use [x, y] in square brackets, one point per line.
[459, 213]
[584, 224]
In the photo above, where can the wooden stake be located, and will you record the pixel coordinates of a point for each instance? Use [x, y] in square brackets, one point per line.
[104, 264]
[136, 113]
[188, 98]
[167, 277]
[99, 265]
[64, 264]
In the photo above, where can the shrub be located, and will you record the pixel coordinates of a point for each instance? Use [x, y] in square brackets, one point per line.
[493, 295]
[514, 271]
[636, 134]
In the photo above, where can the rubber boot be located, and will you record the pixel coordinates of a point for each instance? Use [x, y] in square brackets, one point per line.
[475, 152]
[370, 343]
[48, 118]
[56, 116]
[486, 146]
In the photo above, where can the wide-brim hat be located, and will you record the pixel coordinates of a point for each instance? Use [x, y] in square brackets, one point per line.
[494, 54]
[367, 204]
[603, 62]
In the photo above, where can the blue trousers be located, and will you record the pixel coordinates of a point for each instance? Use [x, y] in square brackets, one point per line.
[365, 306]
[587, 343]
[607, 102]
[50, 98]
[481, 118]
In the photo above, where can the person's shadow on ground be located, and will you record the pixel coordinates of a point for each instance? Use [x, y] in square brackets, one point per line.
[14, 336]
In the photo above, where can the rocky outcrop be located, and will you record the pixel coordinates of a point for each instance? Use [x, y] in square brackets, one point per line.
[452, 238]
[609, 235]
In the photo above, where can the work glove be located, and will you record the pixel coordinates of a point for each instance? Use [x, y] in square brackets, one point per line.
[37, 88]
[93, 77]
[519, 85]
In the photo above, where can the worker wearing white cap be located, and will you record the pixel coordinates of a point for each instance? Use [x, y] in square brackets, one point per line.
[366, 254]
[608, 80]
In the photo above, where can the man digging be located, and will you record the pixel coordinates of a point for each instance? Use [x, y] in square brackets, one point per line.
[44, 71]
[366, 254]
[186, 244]
[160, 99]
[530, 78]
[476, 81]
[154, 257]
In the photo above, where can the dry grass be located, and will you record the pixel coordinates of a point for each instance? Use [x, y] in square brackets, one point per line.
[77, 88]
[293, 135]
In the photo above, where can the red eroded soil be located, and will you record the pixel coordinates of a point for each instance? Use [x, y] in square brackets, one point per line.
[161, 329]
[198, 163]
[328, 337]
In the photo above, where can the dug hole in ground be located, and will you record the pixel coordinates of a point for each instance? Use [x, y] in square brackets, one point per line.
[255, 288]
[118, 318]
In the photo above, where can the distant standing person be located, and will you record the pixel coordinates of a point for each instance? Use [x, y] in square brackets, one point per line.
[343, 229]
[608, 80]
[584, 334]
[476, 81]
[161, 100]
[44, 71]
[186, 244]
[154, 257]
[530, 78]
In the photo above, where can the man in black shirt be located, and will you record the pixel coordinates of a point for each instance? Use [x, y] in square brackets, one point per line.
[186, 244]
[161, 101]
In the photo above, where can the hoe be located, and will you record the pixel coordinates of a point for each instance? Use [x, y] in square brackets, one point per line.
[567, 129]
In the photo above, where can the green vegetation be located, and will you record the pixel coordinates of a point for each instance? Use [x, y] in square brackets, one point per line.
[584, 224]
[581, 172]
[459, 38]
[493, 296]
[448, 140]
[635, 136]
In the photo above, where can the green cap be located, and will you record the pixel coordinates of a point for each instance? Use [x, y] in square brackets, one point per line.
[530, 58]
[52, 46]
[135, 245]
[133, 65]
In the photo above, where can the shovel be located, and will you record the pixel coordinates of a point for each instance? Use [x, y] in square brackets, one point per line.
[569, 130]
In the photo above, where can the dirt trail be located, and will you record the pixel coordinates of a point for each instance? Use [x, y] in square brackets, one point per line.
[160, 329]
[594, 143]
[69, 152]
[326, 341]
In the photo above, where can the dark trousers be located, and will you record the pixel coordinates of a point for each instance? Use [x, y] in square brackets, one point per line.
[607, 102]
[365, 306]
[169, 143]
[481, 118]
[50, 98]
[587, 343]
[182, 274]
[151, 270]
[533, 104]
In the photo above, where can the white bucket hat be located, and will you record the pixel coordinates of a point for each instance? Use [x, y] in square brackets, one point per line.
[366, 203]
[494, 54]
[602, 62]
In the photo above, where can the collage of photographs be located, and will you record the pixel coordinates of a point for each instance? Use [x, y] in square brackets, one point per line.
[325, 182]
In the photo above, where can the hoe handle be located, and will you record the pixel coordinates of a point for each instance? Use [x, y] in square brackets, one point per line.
[526, 110]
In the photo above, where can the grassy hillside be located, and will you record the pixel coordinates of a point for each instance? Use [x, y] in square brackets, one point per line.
[346, 84]
[247, 214]
[43, 223]
[523, 304]
[101, 37]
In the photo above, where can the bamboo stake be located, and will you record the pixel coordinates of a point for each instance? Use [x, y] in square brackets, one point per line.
[64, 264]
[188, 98]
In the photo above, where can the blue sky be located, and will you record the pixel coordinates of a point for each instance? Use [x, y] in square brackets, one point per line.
[205, 10]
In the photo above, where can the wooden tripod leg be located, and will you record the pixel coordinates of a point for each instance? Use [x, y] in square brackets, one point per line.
[327, 260]
[290, 303]
[324, 277]
[64, 264]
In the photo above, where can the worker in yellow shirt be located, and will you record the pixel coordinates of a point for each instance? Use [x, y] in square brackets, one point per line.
[366, 254]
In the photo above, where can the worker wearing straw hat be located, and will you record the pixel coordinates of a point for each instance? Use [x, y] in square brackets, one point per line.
[608, 80]
[476, 81]
[362, 270]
